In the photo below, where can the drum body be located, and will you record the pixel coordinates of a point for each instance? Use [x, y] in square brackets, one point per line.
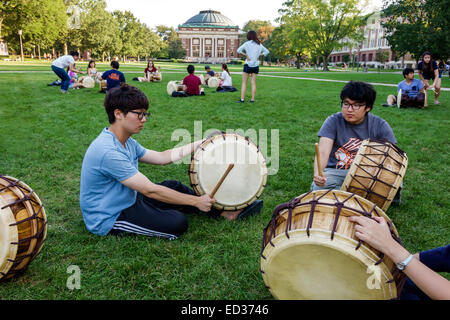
[376, 172]
[23, 226]
[202, 79]
[88, 82]
[157, 76]
[244, 183]
[174, 86]
[103, 85]
[310, 251]
[213, 82]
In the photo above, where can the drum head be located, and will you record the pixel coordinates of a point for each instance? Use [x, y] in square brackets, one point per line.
[202, 79]
[399, 98]
[88, 82]
[244, 183]
[172, 86]
[8, 236]
[315, 268]
[213, 82]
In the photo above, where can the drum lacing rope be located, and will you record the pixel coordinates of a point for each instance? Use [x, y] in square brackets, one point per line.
[313, 204]
[339, 206]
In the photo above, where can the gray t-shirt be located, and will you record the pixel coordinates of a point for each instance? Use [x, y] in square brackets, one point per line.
[348, 137]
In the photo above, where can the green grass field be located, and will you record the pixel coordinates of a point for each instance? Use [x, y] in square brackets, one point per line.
[45, 134]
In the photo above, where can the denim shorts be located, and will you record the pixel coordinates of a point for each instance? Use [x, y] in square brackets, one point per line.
[248, 69]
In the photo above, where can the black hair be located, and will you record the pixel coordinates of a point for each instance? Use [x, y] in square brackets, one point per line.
[89, 64]
[251, 35]
[190, 69]
[427, 67]
[207, 67]
[125, 98]
[115, 64]
[407, 71]
[74, 53]
[225, 67]
[359, 91]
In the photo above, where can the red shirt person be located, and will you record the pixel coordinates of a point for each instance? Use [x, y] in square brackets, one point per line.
[191, 83]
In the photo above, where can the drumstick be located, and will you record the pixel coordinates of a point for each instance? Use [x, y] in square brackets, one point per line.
[230, 166]
[318, 160]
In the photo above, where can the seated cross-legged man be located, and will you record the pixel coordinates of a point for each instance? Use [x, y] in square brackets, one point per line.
[412, 92]
[342, 133]
[116, 198]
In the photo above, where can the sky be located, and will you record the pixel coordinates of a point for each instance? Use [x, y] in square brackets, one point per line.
[175, 12]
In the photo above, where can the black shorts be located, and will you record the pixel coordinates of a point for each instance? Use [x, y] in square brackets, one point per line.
[248, 69]
[154, 218]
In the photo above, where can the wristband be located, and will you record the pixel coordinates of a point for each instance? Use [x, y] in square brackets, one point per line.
[402, 265]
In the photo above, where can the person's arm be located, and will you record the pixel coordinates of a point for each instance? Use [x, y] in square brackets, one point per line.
[72, 68]
[376, 233]
[325, 146]
[264, 51]
[142, 184]
[169, 156]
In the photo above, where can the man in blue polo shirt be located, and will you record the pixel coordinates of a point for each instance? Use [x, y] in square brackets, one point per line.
[412, 92]
[114, 78]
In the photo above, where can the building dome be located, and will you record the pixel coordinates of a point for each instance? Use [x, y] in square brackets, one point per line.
[208, 18]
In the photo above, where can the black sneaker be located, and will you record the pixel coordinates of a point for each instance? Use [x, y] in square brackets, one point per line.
[387, 105]
[252, 101]
[240, 101]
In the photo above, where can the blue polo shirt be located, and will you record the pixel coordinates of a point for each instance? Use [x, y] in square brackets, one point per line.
[411, 89]
[105, 164]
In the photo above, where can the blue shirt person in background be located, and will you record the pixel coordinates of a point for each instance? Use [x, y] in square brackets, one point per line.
[253, 49]
[114, 78]
[412, 92]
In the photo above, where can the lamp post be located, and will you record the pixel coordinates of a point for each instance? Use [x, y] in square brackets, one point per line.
[21, 47]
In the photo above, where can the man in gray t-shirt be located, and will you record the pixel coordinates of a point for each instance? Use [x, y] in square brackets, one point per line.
[342, 133]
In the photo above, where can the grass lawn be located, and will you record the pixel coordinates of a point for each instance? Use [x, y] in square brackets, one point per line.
[45, 134]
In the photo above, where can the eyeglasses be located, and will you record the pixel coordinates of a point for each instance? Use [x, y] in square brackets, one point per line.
[347, 105]
[141, 115]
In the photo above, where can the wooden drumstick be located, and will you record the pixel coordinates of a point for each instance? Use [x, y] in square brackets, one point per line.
[318, 160]
[230, 166]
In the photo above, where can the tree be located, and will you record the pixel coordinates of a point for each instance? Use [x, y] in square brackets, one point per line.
[323, 24]
[175, 49]
[263, 29]
[287, 42]
[416, 26]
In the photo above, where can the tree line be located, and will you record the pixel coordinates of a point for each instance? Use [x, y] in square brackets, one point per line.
[308, 30]
[57, 26]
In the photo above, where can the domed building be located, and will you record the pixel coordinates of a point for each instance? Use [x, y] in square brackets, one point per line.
[209, 37]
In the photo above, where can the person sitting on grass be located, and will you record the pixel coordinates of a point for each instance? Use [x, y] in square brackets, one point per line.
[191, 86]
[74, 83]
[114, 78]
[149, 73]
[116, 198]
[412, 92]
[226, 83]
[423, 281]
[343, 132]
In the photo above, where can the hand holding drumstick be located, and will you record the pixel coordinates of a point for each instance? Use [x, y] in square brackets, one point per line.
[321, 159]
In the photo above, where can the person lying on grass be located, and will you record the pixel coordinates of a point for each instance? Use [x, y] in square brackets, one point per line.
[115, 198]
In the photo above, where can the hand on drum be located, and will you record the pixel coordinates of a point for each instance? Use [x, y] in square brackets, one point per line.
[376, 233]
[320, 180]
[205, 202]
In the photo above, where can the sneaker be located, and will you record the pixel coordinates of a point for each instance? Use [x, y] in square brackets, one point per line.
[254, 208]
[240, 101]
[202, 93]
[252, 101]
[387, 105]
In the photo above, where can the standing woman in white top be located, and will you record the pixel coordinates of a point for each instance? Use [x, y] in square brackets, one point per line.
[59, 66]
[253, 49]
